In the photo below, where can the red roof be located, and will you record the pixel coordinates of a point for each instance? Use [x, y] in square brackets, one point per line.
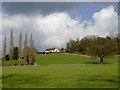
[50, 49]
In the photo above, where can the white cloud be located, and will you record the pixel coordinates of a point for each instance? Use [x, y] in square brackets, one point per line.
[106, 21]
[56, 29]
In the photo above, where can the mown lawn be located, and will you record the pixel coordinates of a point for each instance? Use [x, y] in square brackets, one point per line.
[76, 76]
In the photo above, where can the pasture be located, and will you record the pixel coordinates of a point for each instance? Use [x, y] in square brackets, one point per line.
[56, 71]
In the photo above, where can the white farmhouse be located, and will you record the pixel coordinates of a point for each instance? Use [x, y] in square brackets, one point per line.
[52, 50]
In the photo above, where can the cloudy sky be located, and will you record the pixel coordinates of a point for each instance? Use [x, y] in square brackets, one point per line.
[54, 24]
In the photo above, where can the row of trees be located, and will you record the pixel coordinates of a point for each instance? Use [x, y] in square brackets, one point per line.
[95, 46]
[28, 52]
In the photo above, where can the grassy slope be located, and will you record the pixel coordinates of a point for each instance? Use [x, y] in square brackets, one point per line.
[83, 76]
[67, 59]
[71, 59]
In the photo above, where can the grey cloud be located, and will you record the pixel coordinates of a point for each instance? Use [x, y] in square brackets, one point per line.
[43, 7]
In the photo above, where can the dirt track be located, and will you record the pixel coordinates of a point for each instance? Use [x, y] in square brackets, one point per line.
[69, 64]
[78, 55]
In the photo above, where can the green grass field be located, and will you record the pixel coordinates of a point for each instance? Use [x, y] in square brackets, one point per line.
[71, 59]
[86, 75]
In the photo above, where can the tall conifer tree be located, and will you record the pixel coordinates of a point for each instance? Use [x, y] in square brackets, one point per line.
[20, 48]
[31, 51]
[4, 52]
[25, 50]
[11, 48]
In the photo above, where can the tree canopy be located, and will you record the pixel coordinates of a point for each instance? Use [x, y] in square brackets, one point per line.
[95, 46]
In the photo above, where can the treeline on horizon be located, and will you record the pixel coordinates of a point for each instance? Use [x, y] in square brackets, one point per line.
[89, 45]
[95, 46]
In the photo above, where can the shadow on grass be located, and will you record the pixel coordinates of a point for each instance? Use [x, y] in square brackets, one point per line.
[97, 63]
[15, 80]
[23, 76]
[91, 63]
[9, 76]
[110, 80]
[99, 79]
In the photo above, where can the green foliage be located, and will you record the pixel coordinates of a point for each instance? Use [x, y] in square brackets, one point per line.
[15, 56]
[15, 63]
[95, 46]
[102, 47]
[93, 43]
[84, 44]
[7, 57]
[72, 46]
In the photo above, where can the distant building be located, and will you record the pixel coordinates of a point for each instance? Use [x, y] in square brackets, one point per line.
[52, 50]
